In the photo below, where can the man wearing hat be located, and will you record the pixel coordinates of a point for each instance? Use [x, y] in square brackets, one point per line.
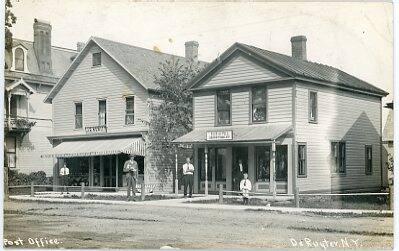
[131, 168]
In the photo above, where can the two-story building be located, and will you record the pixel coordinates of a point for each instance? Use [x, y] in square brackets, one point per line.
[290, 122]
[31, 71]
[101, 109]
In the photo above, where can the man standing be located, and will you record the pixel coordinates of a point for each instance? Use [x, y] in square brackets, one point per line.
[131, 168]
[188, 177]
[64, 172]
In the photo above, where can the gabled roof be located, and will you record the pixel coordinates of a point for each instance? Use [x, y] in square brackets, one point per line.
[19, 82]
[60, 58]
[142, 64]
[296, 68]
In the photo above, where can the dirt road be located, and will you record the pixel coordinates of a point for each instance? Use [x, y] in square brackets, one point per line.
[140, 226]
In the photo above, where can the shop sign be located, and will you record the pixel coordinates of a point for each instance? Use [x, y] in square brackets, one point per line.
[219, 135]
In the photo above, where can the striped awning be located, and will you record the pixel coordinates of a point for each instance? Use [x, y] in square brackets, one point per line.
[97, 147]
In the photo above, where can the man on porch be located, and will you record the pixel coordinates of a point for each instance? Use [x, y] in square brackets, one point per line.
[188, 176]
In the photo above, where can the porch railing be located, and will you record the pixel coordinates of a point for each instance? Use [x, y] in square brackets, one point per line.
[18, 124]
[96, 129]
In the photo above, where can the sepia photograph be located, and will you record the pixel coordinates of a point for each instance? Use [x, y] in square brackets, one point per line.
[198, 125]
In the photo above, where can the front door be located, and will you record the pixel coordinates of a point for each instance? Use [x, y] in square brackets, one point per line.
[240, 166]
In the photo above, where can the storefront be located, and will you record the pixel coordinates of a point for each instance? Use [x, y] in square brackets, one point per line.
[98, 162]
[222, 155]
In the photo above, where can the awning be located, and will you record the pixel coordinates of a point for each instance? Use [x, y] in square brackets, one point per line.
[247, 133]
[98, 147]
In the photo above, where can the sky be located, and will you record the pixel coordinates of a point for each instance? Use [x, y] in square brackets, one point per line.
[355, 37]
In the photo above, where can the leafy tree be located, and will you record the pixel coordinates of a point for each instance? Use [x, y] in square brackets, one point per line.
[171, 112]
[10, 19]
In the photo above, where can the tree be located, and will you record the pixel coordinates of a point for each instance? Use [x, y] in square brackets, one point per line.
[171, 112]
[10, 19]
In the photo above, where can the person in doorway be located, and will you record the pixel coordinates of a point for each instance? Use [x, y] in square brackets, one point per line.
[64, 175]
[245, 187]
[131, 168]
[238, 175]
[188, 177]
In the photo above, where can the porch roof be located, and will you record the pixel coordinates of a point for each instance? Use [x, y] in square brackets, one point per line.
[97, 147]
[247, 133]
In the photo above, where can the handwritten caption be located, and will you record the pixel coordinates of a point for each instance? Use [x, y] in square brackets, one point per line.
[325, 244]
[39, 242]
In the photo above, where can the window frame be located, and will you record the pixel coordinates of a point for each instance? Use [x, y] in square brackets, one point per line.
[302, 144]
[126, 110]
[93, 60]
[105, 119]
[9, 153]
[339, 157]
[81, 115]
[217, 111]
[251, 113]
[366, 160]
[23, 59]
[315, 119]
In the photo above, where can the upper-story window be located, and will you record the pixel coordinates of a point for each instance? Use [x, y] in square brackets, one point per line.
[259, 104]
[19, 59]
[223, 106]
[312, 106]
[102, 112]
[96, 58]
[78, 116]
[129, 112]
[369, 159]
[338, 154]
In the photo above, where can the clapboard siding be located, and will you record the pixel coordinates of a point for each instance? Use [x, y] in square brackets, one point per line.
[204, 109]
[279, 100]
[346, 116]
[88, 84]
[35, 143]
[240, 106]
[240, 70]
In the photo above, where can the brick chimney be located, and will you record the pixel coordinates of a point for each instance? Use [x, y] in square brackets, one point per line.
[192, 50]
[80, 46]
[298, 45]
[42, 45]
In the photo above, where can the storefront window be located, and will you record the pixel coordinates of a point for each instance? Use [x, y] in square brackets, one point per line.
[281, 163]
[78, 170]
[262, 157]
[201, 165]
[220, 170]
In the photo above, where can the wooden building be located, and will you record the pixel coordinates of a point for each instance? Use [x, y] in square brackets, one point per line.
[291, 122]
[32, 69]
[101, 109]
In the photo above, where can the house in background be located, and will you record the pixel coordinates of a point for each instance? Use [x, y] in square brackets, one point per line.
[101, 109]
[32, 69]
[291, 122]
[387, 141]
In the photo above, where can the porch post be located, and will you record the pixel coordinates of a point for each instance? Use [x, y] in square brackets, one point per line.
[273, 185]
[116, 170]
[206, 171]
[176, 180]
[101, 171]
[27, 108]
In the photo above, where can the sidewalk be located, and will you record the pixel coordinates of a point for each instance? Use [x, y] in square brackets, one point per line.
[185, 203]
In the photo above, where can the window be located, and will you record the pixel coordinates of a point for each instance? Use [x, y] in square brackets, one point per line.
[217, 161]
[262, 161]
[302, 160]
[102, 112]
[96, 58]
[223, 108]
[129, 112]
[369, 159]
[78, 116]
[259, 104]
[312, 106]
[338, 154]
[10, 152]
[281, 162]
[19, 60]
